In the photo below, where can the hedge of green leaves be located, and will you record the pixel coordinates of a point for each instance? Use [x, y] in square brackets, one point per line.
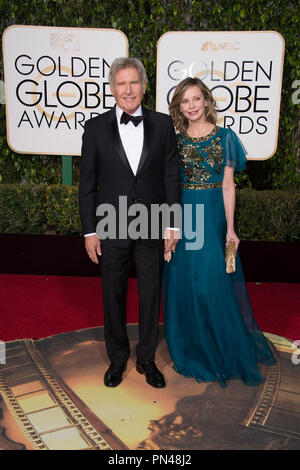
[144, 22]
[260, 215]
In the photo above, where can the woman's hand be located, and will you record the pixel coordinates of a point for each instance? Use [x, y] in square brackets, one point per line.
[231, 235]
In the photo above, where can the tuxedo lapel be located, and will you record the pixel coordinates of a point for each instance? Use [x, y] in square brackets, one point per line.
[147, 138]
[116, 139]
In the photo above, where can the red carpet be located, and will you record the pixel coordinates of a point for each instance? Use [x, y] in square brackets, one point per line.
[38, 306]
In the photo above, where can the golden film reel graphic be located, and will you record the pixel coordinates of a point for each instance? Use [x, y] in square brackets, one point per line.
[50, 414]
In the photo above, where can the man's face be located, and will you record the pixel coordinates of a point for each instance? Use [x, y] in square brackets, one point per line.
[128, 89]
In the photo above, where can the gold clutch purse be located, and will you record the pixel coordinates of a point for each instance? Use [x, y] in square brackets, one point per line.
[230, 257]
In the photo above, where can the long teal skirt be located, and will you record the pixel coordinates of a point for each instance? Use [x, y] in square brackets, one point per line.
[209, 325]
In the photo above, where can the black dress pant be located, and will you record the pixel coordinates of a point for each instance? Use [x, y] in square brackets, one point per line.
[115, 270]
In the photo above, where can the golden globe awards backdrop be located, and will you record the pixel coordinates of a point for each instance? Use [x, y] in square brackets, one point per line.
[244, 72]
[55, 79]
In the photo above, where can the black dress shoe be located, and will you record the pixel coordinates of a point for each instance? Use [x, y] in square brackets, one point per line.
[153, 376]
[114, 375]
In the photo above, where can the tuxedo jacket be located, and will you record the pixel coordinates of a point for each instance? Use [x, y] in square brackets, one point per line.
[106, 174]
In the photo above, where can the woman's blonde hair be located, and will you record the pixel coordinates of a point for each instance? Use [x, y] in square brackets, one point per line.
[180, 121]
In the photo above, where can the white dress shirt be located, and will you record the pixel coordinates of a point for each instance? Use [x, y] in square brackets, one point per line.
[132, 138]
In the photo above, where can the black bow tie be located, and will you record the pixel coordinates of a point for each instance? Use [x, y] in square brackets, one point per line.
[125, 118]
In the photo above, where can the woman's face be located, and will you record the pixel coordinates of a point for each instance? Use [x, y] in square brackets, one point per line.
[193, 105]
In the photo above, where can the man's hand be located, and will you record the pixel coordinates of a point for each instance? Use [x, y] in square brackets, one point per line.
[93, 247]
[171, 239]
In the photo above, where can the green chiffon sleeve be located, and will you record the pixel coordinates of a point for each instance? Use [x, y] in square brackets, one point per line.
[234, 151]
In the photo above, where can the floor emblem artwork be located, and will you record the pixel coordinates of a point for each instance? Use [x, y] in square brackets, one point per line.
[52, 397]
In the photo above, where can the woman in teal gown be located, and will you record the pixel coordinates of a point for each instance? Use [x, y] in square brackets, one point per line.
[209, 325]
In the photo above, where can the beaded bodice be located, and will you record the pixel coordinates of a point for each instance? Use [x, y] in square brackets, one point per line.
[201, 159]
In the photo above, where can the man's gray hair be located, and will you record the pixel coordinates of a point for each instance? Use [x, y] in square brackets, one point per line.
[125, 63]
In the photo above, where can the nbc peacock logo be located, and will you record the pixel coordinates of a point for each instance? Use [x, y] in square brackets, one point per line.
[220, 46]
[209, 46]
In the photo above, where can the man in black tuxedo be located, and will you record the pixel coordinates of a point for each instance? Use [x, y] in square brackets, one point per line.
[129, 152]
